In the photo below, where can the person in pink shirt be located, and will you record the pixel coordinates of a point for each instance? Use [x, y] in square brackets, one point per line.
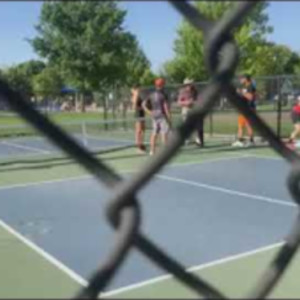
[295, 115]
[188, 94]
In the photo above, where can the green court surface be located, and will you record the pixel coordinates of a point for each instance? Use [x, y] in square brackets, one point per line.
[29, 272]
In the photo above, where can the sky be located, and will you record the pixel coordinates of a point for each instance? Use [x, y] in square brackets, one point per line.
[154, 24]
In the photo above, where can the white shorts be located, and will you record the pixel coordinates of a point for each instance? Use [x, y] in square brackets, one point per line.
[160, 126]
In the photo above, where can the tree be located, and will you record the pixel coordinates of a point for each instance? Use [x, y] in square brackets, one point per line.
[148, 78]
[189, 45]
[20, 76]
[272, 59]
[48, 83]
[87, 40]
[137, 66]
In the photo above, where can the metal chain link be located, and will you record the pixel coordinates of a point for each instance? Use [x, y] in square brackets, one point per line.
[123, 210]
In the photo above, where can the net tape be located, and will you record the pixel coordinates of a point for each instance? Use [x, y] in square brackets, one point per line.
[123, 209]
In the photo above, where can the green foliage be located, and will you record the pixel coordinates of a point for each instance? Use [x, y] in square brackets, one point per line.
[20, 76]
[48, 83]
[189, 45]
[137, 66]
[88, 41]
[272, 59]
[147, 78]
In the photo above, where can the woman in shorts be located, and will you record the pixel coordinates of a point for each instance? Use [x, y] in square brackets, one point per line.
[139, 114]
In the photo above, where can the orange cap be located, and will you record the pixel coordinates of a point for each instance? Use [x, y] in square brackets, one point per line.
[159, 82]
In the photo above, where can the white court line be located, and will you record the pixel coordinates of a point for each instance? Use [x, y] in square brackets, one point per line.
[83, 177]
[192, 269]
[48, 257]
[25, 147]
[227, 191]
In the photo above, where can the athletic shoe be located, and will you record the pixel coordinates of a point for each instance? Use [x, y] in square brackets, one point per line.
[249, 144]
[291, 145]
[151, 153]
[199, 144]
[141, 151]
[238, 144]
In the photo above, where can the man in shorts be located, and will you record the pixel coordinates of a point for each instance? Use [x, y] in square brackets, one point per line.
[248, 92]
[157, 106]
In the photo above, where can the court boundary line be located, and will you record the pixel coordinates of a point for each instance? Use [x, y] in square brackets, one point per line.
[196, 268]
[228, 191]
[44, 254]
[10, 144]
[87, 176]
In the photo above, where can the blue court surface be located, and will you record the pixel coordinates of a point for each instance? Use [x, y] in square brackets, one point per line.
[198, 213]
[40, 145]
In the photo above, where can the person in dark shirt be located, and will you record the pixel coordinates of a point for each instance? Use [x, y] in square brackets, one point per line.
[188, 95]
[157, 106]
[139, 114]
[248, 92]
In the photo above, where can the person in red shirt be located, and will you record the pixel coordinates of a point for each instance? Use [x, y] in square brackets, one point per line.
[187, 97]
[295, 115]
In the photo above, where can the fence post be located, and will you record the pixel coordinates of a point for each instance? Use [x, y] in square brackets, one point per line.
[211, 124]
[279, 108]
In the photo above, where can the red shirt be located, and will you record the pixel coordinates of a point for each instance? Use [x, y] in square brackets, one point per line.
[296, 109]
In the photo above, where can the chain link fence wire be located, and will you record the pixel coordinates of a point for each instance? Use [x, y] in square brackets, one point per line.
[123, 210]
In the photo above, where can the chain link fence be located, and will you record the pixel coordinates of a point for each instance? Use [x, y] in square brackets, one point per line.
[123, 209]
[276, 96]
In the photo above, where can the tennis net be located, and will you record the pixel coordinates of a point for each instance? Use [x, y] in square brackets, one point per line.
[94, 135]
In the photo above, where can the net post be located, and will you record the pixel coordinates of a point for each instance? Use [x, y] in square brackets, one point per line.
[211, 124]
[84, 133]
[105, 110]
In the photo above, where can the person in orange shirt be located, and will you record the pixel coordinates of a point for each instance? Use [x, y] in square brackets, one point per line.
[248, 91]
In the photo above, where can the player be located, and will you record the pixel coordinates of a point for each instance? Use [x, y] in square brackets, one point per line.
[295, 115]
[156, 105]
[187, 96]
[139, 114]
[248, 91]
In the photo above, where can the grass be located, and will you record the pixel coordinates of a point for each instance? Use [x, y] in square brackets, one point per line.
[226, 123]
[59, 117]
[221, 122]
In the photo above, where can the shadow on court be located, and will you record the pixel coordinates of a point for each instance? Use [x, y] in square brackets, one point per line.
[45, 163]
